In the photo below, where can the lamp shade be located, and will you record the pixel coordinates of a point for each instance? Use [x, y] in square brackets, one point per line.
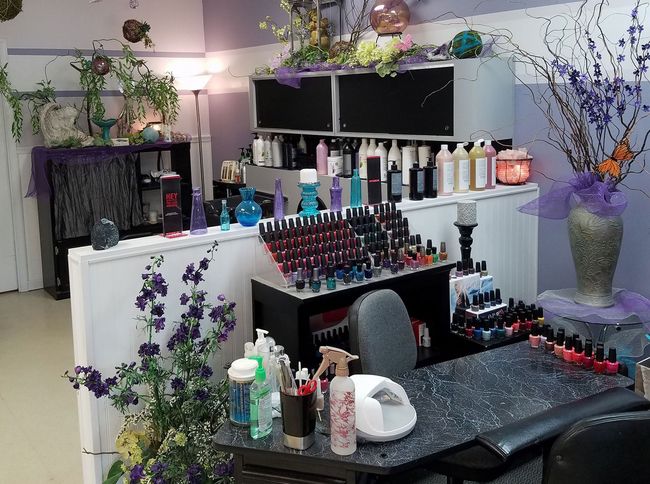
[193, 83]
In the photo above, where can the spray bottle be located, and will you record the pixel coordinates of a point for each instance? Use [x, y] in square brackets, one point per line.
[342, 400]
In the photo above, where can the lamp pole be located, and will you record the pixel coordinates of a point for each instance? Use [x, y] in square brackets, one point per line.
[198, 122]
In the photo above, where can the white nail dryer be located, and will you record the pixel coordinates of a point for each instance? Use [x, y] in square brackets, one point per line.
[383, 409]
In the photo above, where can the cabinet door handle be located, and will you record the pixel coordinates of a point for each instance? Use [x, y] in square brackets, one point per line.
[56, 250]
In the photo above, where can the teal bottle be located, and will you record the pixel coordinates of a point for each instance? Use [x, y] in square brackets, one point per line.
[355, 190]
[224, 217]
[261, 409]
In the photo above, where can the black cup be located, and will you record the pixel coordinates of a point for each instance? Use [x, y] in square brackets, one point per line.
[298, 420]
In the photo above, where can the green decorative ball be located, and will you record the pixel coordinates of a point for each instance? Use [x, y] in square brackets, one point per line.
[466, 44]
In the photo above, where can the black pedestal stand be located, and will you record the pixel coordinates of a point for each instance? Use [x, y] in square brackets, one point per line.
[465, 239]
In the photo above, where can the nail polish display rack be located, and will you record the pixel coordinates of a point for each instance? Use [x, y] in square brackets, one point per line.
[351, 249]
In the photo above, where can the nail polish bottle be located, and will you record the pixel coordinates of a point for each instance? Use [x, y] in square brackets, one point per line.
[549, 346]
[331, 278]
[516, 326]
[481, 302]
[486, 335]
[508, 329]
[469, 331]
[501, 331]
[486, 299]
[459, 269]
[478, 330]
[540, 316]
[347, 278]
[559, 343]
[529, 320]
[474, 306]
[588, 358]
[286, 272]
[599, 363]
[478, 268]
[376, 270]
[493, 329]
[511, 303]
[612, 364]
[567, 352]
[578, 353]
[542, 337]
[315, 282]
[359, 273]
[443, 252]
[300, 282]
[498, 299]
[339, 272]
[534, 338]
[368, 271]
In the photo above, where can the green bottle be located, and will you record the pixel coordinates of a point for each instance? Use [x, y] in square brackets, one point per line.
[260, 398]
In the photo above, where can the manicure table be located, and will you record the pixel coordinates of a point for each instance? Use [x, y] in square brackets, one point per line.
[455, 401]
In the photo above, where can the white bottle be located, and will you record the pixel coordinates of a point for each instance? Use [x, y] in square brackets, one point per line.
[461, 169]
[343, 431]
[302, 145]
[395, 155]
[268, 157]
[445, 163]
[262, 347]
[258, 151]
[382, 153]
[372, 148]
[276, 153]
[409, 154]
[363, 158]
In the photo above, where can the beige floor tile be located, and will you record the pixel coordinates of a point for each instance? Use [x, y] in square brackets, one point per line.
[39, 430]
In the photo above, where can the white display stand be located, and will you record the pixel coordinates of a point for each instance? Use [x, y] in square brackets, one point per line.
[104, 285]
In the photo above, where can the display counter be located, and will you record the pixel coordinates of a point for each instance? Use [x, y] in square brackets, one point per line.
[104, 285]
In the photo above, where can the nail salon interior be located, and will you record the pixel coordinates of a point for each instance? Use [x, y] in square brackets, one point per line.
[324, 241]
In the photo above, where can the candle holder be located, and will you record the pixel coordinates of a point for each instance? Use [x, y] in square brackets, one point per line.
[309, 196]
[465, 239]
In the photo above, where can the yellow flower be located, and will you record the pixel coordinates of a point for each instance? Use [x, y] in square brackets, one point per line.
[367, 53]
[129, 444]
[180, 439]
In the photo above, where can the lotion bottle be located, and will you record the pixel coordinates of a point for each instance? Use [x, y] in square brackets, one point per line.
[477, 168]
[363, 158]
[491, 157]
[276, 153]
[395, 155]
[343, 431]
[268, 156]
[445, 164]
[461, 169]
[382, 153]
[321, 158]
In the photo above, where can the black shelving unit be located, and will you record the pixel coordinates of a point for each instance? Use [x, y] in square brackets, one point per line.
[54, 250]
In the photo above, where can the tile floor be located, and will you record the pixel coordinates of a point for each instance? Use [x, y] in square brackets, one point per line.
[39, 430]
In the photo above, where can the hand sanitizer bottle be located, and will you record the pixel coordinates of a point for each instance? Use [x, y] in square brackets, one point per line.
[261, 408]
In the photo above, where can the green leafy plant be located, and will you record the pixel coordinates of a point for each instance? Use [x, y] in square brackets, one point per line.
[43, 95]
[13, 99]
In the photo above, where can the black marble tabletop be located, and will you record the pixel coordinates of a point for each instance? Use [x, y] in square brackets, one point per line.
[455, 401]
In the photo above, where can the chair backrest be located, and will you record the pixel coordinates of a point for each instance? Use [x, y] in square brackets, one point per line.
[381, 334]
[606, 449]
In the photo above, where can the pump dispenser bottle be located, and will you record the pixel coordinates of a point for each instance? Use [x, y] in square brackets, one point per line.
[491, 157]
[261, 411]
[262, 347]
[342, 400]
[477, 168]
[461, 169]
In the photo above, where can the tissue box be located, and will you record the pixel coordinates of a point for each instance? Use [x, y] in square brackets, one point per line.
[642, 378]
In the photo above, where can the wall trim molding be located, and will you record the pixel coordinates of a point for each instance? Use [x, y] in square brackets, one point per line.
[112, 53]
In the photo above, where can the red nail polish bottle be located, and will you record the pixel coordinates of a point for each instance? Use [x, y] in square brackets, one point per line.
[611, 363]
[588, 358]
[599, 363]
[578, 353]
[469, 331]
[567, 353]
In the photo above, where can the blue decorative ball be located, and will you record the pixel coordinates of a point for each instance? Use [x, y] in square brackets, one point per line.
[150, 135]
[466, 44]
[104, 235]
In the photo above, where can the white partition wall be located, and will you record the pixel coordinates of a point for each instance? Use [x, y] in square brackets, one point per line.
[104, 285]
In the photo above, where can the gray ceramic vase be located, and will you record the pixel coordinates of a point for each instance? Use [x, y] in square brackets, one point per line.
[595, 245]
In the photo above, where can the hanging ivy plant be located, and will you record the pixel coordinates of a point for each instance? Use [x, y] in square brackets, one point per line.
[12, 97]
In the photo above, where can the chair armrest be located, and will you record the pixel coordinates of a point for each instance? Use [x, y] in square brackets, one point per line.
[547, 425]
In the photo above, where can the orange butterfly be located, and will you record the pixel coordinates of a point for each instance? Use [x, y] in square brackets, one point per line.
[612, 166]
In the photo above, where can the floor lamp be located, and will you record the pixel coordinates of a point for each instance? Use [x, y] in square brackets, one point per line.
[196, 84]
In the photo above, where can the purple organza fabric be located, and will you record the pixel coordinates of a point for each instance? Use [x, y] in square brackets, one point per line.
[599, 198]
[39, 184]
[629, 307]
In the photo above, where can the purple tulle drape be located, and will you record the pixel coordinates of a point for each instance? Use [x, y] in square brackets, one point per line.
[598, 197]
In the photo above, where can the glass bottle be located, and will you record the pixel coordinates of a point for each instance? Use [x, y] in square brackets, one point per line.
[355, 190]
[335, 195]
[224, 217]
[198, 224]
[278, 201]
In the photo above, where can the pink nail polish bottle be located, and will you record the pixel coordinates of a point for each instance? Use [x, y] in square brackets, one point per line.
[559, 343]
[578, 353]
[599, 362]
[588, 358]
[567, 353]
[612, 364]
[534, 338]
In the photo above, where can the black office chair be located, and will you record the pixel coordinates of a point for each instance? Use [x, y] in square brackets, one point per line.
[602, 450]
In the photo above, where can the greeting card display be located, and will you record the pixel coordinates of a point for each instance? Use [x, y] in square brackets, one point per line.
[171, 206]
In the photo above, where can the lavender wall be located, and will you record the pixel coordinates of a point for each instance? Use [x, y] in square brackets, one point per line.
[229, 126]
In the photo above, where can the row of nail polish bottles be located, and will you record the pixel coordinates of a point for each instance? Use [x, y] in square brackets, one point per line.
[572, 350]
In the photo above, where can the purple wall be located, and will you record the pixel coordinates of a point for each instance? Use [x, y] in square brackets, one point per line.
[229, 125]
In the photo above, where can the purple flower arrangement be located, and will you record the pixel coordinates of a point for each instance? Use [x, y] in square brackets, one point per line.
[183, 405]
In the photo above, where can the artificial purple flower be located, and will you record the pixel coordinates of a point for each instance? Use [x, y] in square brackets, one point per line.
[189, 273]
[196, 332]
[177, 384]
[159, 324]
[158, 309]
[221, 297]
[149, 349]
[195, 312]
[205, 371]
[141, 303]
[136, 474]
[200, 296]
[194, 474]
[203, 265]
[112, 381]
[77, 370]
[184, 299]
[225, 469]
[216, 313]
[201, 394]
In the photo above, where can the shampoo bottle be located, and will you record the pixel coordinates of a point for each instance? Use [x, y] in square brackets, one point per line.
[276, 153]
[491, 156]
[394, 184]
[363, 157]
[268, 157]
[430, 180]
[302, 145]
[461, 169]
[261, 410]
[321, 158]
[342, 401]
[372, 147]
[382, 153]
[258, 151]
[394, 155]
[477, 168]
[445, 164]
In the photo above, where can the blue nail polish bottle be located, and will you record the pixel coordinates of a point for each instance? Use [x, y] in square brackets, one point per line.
[315, 281]
[339, 272]
[358, 274]
[331, 280]
[368, 271]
